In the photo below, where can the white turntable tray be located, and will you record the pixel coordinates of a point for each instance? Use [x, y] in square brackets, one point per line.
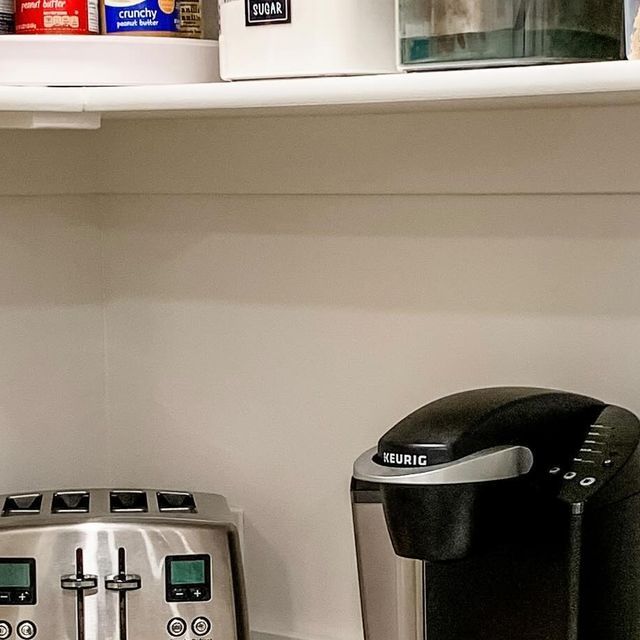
[42, 60]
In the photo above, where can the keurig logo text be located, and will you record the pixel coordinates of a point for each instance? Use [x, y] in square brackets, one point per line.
[267, 12]
[405, 459]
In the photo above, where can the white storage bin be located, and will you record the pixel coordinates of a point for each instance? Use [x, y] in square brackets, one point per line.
[80, 61]
[292, 38]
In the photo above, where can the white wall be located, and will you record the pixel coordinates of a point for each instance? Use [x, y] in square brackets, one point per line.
[49, 162]
[258, 345]
[267, 316]
[51, 344]
[262, 341]
[581, 150]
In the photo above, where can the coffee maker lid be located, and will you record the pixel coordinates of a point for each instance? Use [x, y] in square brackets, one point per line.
[493, 432]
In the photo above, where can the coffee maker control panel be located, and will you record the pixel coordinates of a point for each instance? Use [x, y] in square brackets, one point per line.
[608, 444]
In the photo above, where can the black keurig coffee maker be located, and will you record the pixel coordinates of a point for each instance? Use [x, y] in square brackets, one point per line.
[502, 514]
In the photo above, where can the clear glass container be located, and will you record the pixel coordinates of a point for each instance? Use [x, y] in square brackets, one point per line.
[632, 20]
[464, 33]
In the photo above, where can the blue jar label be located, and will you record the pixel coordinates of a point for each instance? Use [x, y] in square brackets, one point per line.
[148, 15]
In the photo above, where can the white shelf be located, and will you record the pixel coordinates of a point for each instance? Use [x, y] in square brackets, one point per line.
[571, 84]
[41, 99]
[605, 83]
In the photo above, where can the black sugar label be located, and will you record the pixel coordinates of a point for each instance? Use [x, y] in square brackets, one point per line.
[267, 12]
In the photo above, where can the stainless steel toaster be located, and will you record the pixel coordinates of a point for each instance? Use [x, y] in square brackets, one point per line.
[112, 564]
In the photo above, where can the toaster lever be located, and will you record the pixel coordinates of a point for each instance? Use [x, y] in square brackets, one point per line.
[123, 582]
[79, 583]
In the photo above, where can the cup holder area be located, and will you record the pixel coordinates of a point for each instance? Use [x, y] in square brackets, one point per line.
[25, 504]
[128, 502]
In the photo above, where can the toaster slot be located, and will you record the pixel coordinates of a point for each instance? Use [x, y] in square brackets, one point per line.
[176, 501]
[25, 504]
[128, 502]
[70, 502]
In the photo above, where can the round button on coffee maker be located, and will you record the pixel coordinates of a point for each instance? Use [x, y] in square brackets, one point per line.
[26, 630]
[201, 626]
[176, 627]
[5, 630]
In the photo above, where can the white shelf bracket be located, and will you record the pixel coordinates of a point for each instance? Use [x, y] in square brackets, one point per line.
[49, 120]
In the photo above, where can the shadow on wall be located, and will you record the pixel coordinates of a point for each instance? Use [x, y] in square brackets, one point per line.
[264, 564]
[581, 150]
[567, 255]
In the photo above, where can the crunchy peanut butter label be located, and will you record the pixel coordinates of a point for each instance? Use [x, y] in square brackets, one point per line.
[150, 16]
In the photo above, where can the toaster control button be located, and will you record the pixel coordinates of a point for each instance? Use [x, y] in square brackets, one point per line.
[5, 630]
[176, 627]
[188, 578]
[26, 630]
[201, 626]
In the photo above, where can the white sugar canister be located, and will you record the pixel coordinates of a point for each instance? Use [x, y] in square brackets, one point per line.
[298, 38]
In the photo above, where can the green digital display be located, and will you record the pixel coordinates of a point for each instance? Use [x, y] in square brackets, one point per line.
[187, 572]
[15, 574]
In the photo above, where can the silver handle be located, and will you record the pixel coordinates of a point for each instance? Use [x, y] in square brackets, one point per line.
[121, 583]
[496, 463]
[127, 582]
[79, 583]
